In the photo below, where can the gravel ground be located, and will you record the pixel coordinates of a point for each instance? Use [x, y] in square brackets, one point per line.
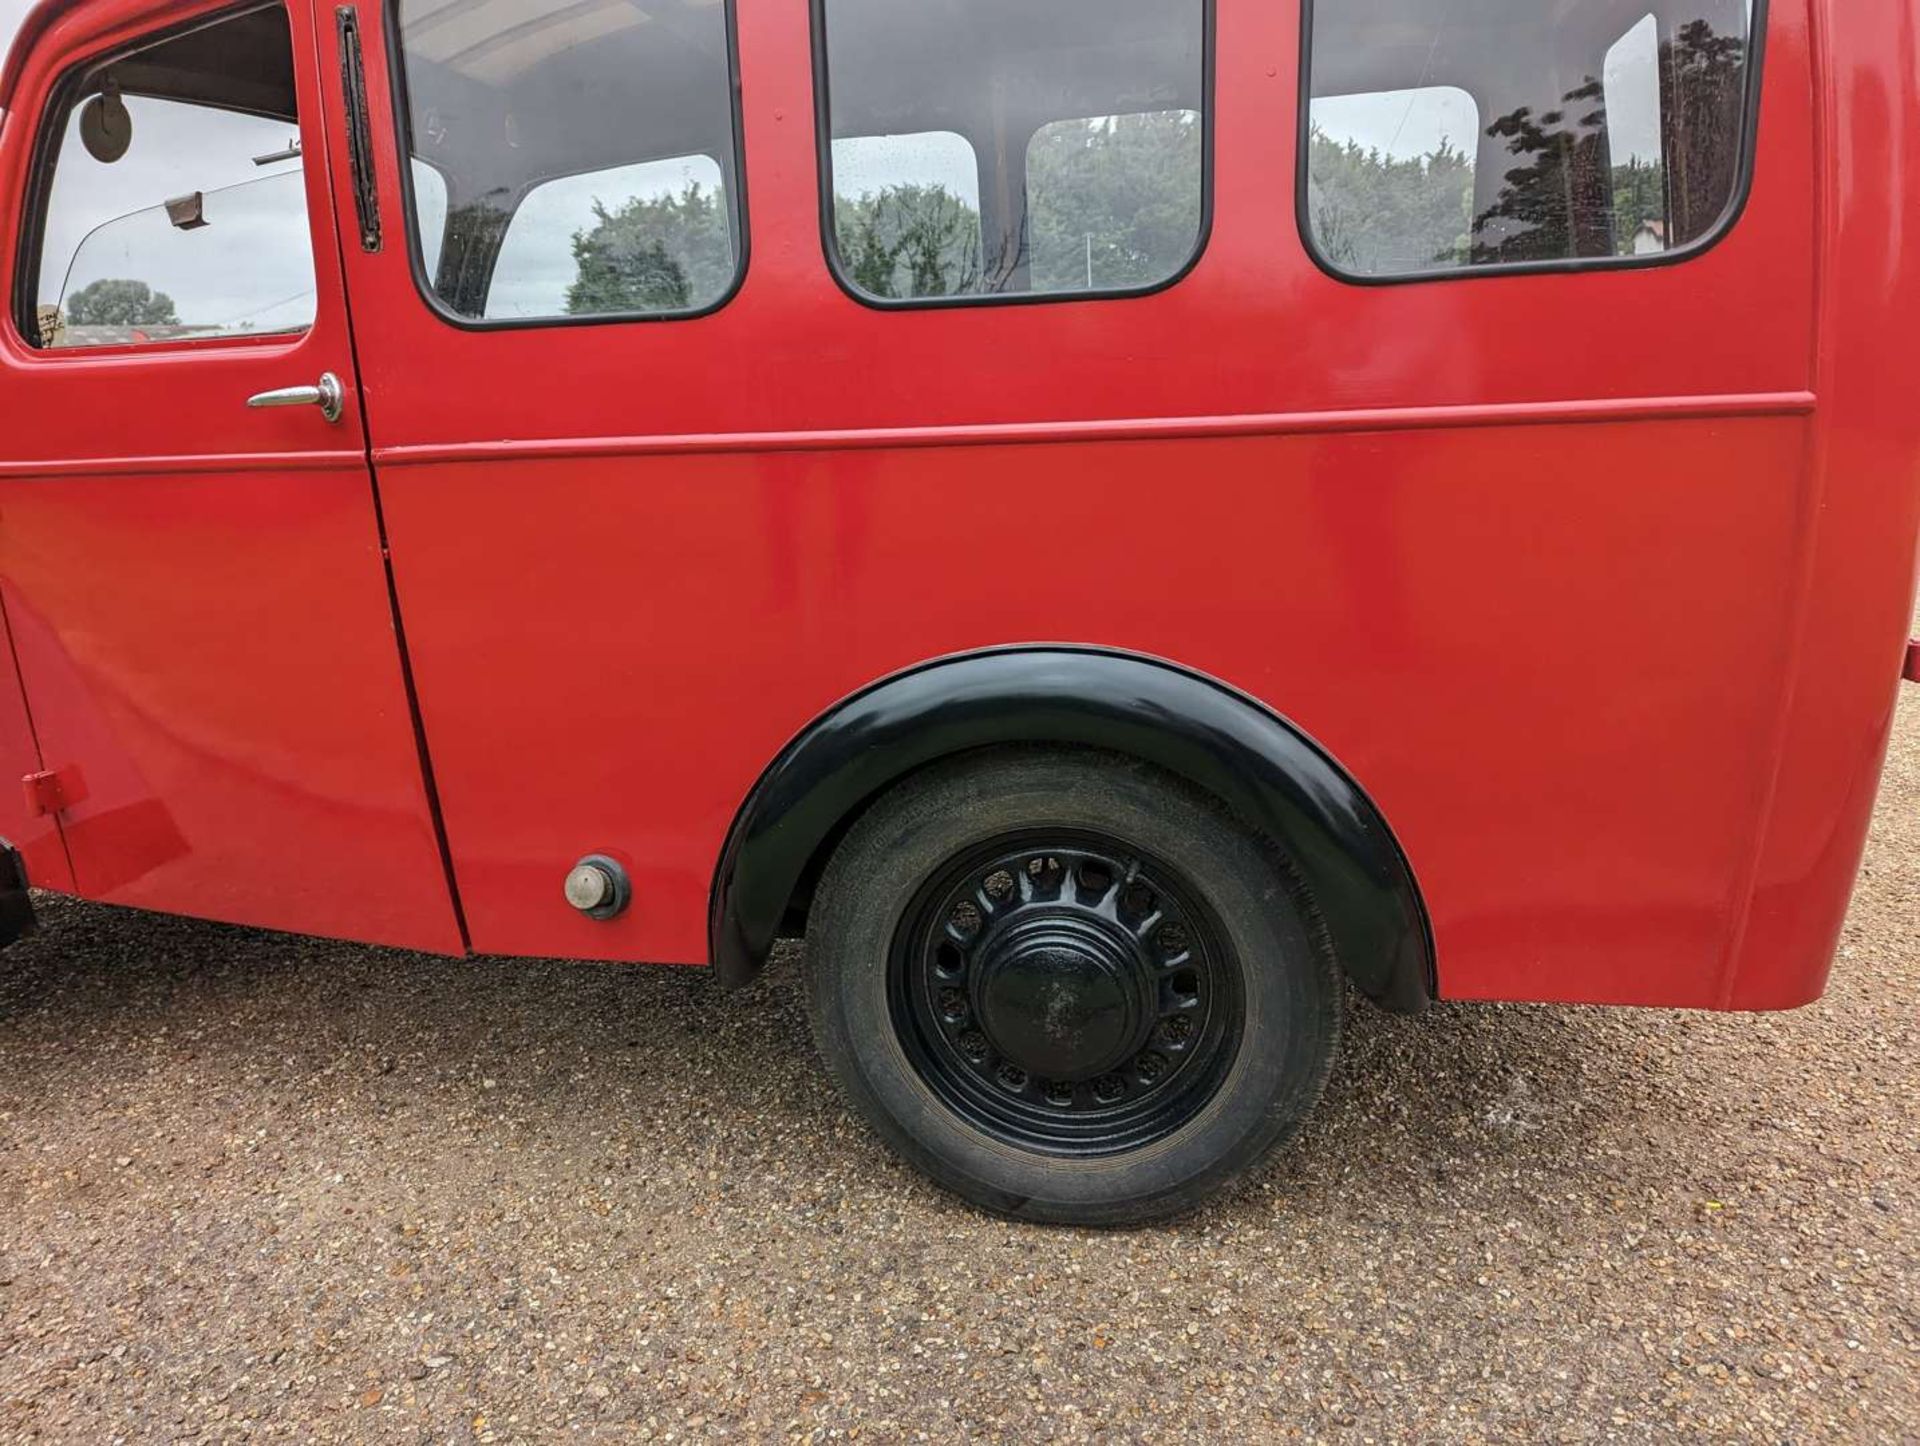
[252, 1185]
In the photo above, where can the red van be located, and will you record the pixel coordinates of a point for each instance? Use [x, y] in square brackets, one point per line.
[1117, 518]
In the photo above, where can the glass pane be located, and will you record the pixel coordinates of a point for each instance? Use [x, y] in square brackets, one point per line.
[651, 237]
[1612, 128]
[1389, 185]
[1000, 147]
[1632, 85]
[430, 213]
[1115, 200]
[178, 206]
[584, 155]
[238, 268]
[906, 213]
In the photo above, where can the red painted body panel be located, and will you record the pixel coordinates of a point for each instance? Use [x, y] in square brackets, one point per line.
[199, 607]
[847, 583]
[35, 834]
[1604, 617]
[1854, 582]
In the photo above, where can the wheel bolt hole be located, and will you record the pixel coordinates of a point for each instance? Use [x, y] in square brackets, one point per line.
[973, 1044]
[1137, 900]
[1150, 1067]
[1177, 1030]
[965, 920]
[1046, 874]
[1060, 1095]
[999, 886]
[948, 961]
[1172, 940]
[1094, 878]
[1186, 984]
[953, 1005]
[1108, 1088]
[1012, 1076]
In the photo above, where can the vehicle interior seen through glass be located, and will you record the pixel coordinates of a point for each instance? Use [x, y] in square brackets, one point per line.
[572, 159]
[578, 158]
[177, 209]
[1451, 134]
[998, 147]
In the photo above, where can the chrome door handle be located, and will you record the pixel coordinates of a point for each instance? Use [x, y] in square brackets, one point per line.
[329, 396]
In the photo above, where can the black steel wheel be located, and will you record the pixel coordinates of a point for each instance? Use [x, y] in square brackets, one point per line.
[1066, 993]
[1068, 986]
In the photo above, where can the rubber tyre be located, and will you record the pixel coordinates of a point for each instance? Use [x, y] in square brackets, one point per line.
[1292, 993]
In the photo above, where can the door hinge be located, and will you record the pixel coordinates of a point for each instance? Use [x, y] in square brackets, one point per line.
[52, 791]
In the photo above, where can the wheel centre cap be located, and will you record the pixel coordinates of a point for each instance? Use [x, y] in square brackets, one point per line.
[1059, 996]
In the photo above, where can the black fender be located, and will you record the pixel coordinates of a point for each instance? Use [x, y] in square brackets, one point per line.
[1268, 772]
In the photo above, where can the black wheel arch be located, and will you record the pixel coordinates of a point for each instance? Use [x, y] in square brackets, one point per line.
[1268, 772]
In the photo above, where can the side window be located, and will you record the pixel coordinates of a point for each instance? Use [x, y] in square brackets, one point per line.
[1447, 136]
[176, 208]
[572, 161]
[1003, 148]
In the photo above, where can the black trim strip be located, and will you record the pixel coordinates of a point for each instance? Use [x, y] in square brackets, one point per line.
[353, 86]
[829, 239]
[416, 253]
[1736, 203]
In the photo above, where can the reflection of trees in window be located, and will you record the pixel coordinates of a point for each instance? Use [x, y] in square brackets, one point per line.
[653, 253]
[1559, 203]
[1372, 213]
[1703, 82]
[909, 240]
[114, 301]
[1639, 199]
[1111, 202]
[1564, 201]
[1118, 198]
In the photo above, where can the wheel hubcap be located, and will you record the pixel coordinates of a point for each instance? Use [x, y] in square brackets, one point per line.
[1065, 993]
[1060, 996]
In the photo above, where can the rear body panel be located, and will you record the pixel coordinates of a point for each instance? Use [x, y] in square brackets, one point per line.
[1507, 585]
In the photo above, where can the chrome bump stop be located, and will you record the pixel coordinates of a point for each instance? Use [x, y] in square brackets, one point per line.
[598, 887]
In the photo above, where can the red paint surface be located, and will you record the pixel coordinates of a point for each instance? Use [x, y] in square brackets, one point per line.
[1592, 581]
[35, 833]
[198, 603]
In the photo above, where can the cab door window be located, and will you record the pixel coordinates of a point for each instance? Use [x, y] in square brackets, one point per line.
[174, 204]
